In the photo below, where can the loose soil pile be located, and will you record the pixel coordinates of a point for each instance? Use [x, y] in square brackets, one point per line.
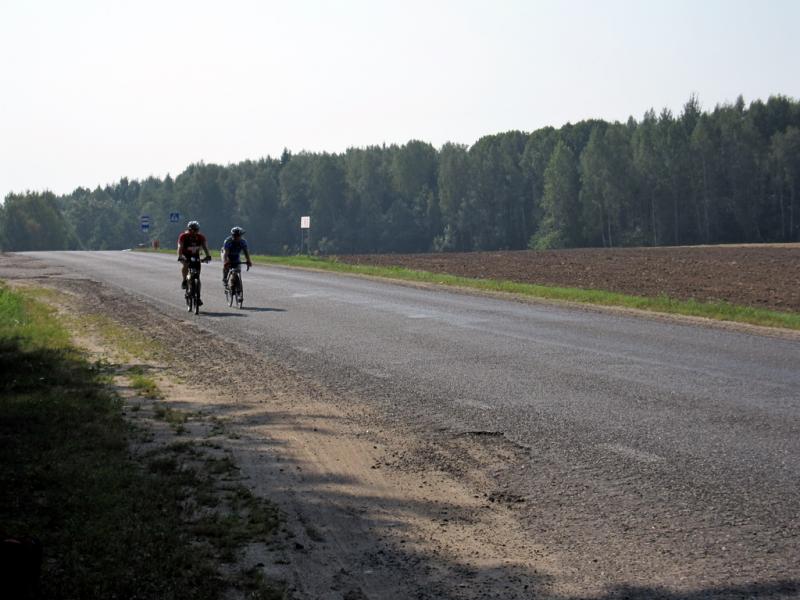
[763, 276]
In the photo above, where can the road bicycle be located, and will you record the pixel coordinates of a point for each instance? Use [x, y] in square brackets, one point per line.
[234, 292]
[192, 294]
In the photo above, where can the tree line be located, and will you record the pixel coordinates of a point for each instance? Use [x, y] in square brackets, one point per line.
[724, 176]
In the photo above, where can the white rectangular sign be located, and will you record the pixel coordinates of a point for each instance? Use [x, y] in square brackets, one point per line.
[305, 222]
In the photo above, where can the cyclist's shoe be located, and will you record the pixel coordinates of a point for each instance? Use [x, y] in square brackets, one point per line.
[199, 303]
[183, 284]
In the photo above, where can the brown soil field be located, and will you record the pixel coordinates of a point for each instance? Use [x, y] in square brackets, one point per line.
[763, 276]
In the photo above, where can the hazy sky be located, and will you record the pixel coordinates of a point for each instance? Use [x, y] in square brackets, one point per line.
[92, 91]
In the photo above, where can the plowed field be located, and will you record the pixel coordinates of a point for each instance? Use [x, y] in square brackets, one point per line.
[764, 276]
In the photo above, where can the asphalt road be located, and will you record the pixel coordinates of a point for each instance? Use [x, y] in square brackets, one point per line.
[631, 424]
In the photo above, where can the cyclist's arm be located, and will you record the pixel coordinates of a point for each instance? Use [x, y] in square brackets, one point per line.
[205, 249]
[247, 256]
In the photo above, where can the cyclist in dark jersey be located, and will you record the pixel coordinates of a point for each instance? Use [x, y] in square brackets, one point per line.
[232, 247]
[190, 242]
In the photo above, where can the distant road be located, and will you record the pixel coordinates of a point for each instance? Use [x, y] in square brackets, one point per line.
[653, 442]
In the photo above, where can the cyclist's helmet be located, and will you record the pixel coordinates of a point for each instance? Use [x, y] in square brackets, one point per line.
[237, 231]
[193, 226]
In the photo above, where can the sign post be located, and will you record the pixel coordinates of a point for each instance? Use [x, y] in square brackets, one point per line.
[305, 225]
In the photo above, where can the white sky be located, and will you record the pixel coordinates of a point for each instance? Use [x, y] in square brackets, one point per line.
[92, 91]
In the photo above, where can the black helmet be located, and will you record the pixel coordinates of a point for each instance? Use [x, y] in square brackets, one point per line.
[193, 225]
[237, 231]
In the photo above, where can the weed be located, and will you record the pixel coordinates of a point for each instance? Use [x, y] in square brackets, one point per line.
[252, 582]
[221, 466]
[145, 386]
[176, 418]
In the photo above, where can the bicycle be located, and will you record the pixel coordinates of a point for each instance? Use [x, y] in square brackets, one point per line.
[192, 295]
[235, 291]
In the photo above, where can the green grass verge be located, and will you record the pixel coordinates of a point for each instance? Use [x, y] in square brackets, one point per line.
[127, 342]
[111, 526]
[720, 311]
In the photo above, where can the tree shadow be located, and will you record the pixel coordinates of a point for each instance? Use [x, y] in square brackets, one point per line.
[262, 309]
[781, 589]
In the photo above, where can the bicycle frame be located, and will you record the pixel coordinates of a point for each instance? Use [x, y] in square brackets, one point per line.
[193, 284]
[194, 268]
[235, 292]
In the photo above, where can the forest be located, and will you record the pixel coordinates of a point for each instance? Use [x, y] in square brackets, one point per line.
[728, 175]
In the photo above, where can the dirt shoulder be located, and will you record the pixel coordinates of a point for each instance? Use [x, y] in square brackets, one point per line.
[373, 509]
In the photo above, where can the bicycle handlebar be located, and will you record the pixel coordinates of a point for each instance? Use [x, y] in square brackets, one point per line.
[230, 265]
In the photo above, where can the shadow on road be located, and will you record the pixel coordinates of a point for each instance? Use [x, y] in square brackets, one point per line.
[262, 309]
[777, 590]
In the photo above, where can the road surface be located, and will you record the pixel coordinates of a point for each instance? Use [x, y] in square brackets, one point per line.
[663, 445]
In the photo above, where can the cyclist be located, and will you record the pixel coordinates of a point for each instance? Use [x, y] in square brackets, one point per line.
[190, 242]
[232, 247]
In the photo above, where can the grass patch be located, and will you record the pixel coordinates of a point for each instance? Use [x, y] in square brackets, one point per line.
[145, 386]
[719, 311]
[132, 343]
[111, 526]
[177, 419]
[170, 415]
[222, 466]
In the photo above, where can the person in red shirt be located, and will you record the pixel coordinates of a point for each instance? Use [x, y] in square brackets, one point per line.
[190, 242]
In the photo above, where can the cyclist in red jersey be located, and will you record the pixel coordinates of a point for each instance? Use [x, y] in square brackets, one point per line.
[190, 242]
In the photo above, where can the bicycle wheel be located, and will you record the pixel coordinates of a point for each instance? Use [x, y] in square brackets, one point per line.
[236, 290]
[197, 297]
[229, 292]
[189, 296]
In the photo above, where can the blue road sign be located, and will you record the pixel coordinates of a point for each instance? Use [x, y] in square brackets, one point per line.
[145, 227]
[174, 217]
